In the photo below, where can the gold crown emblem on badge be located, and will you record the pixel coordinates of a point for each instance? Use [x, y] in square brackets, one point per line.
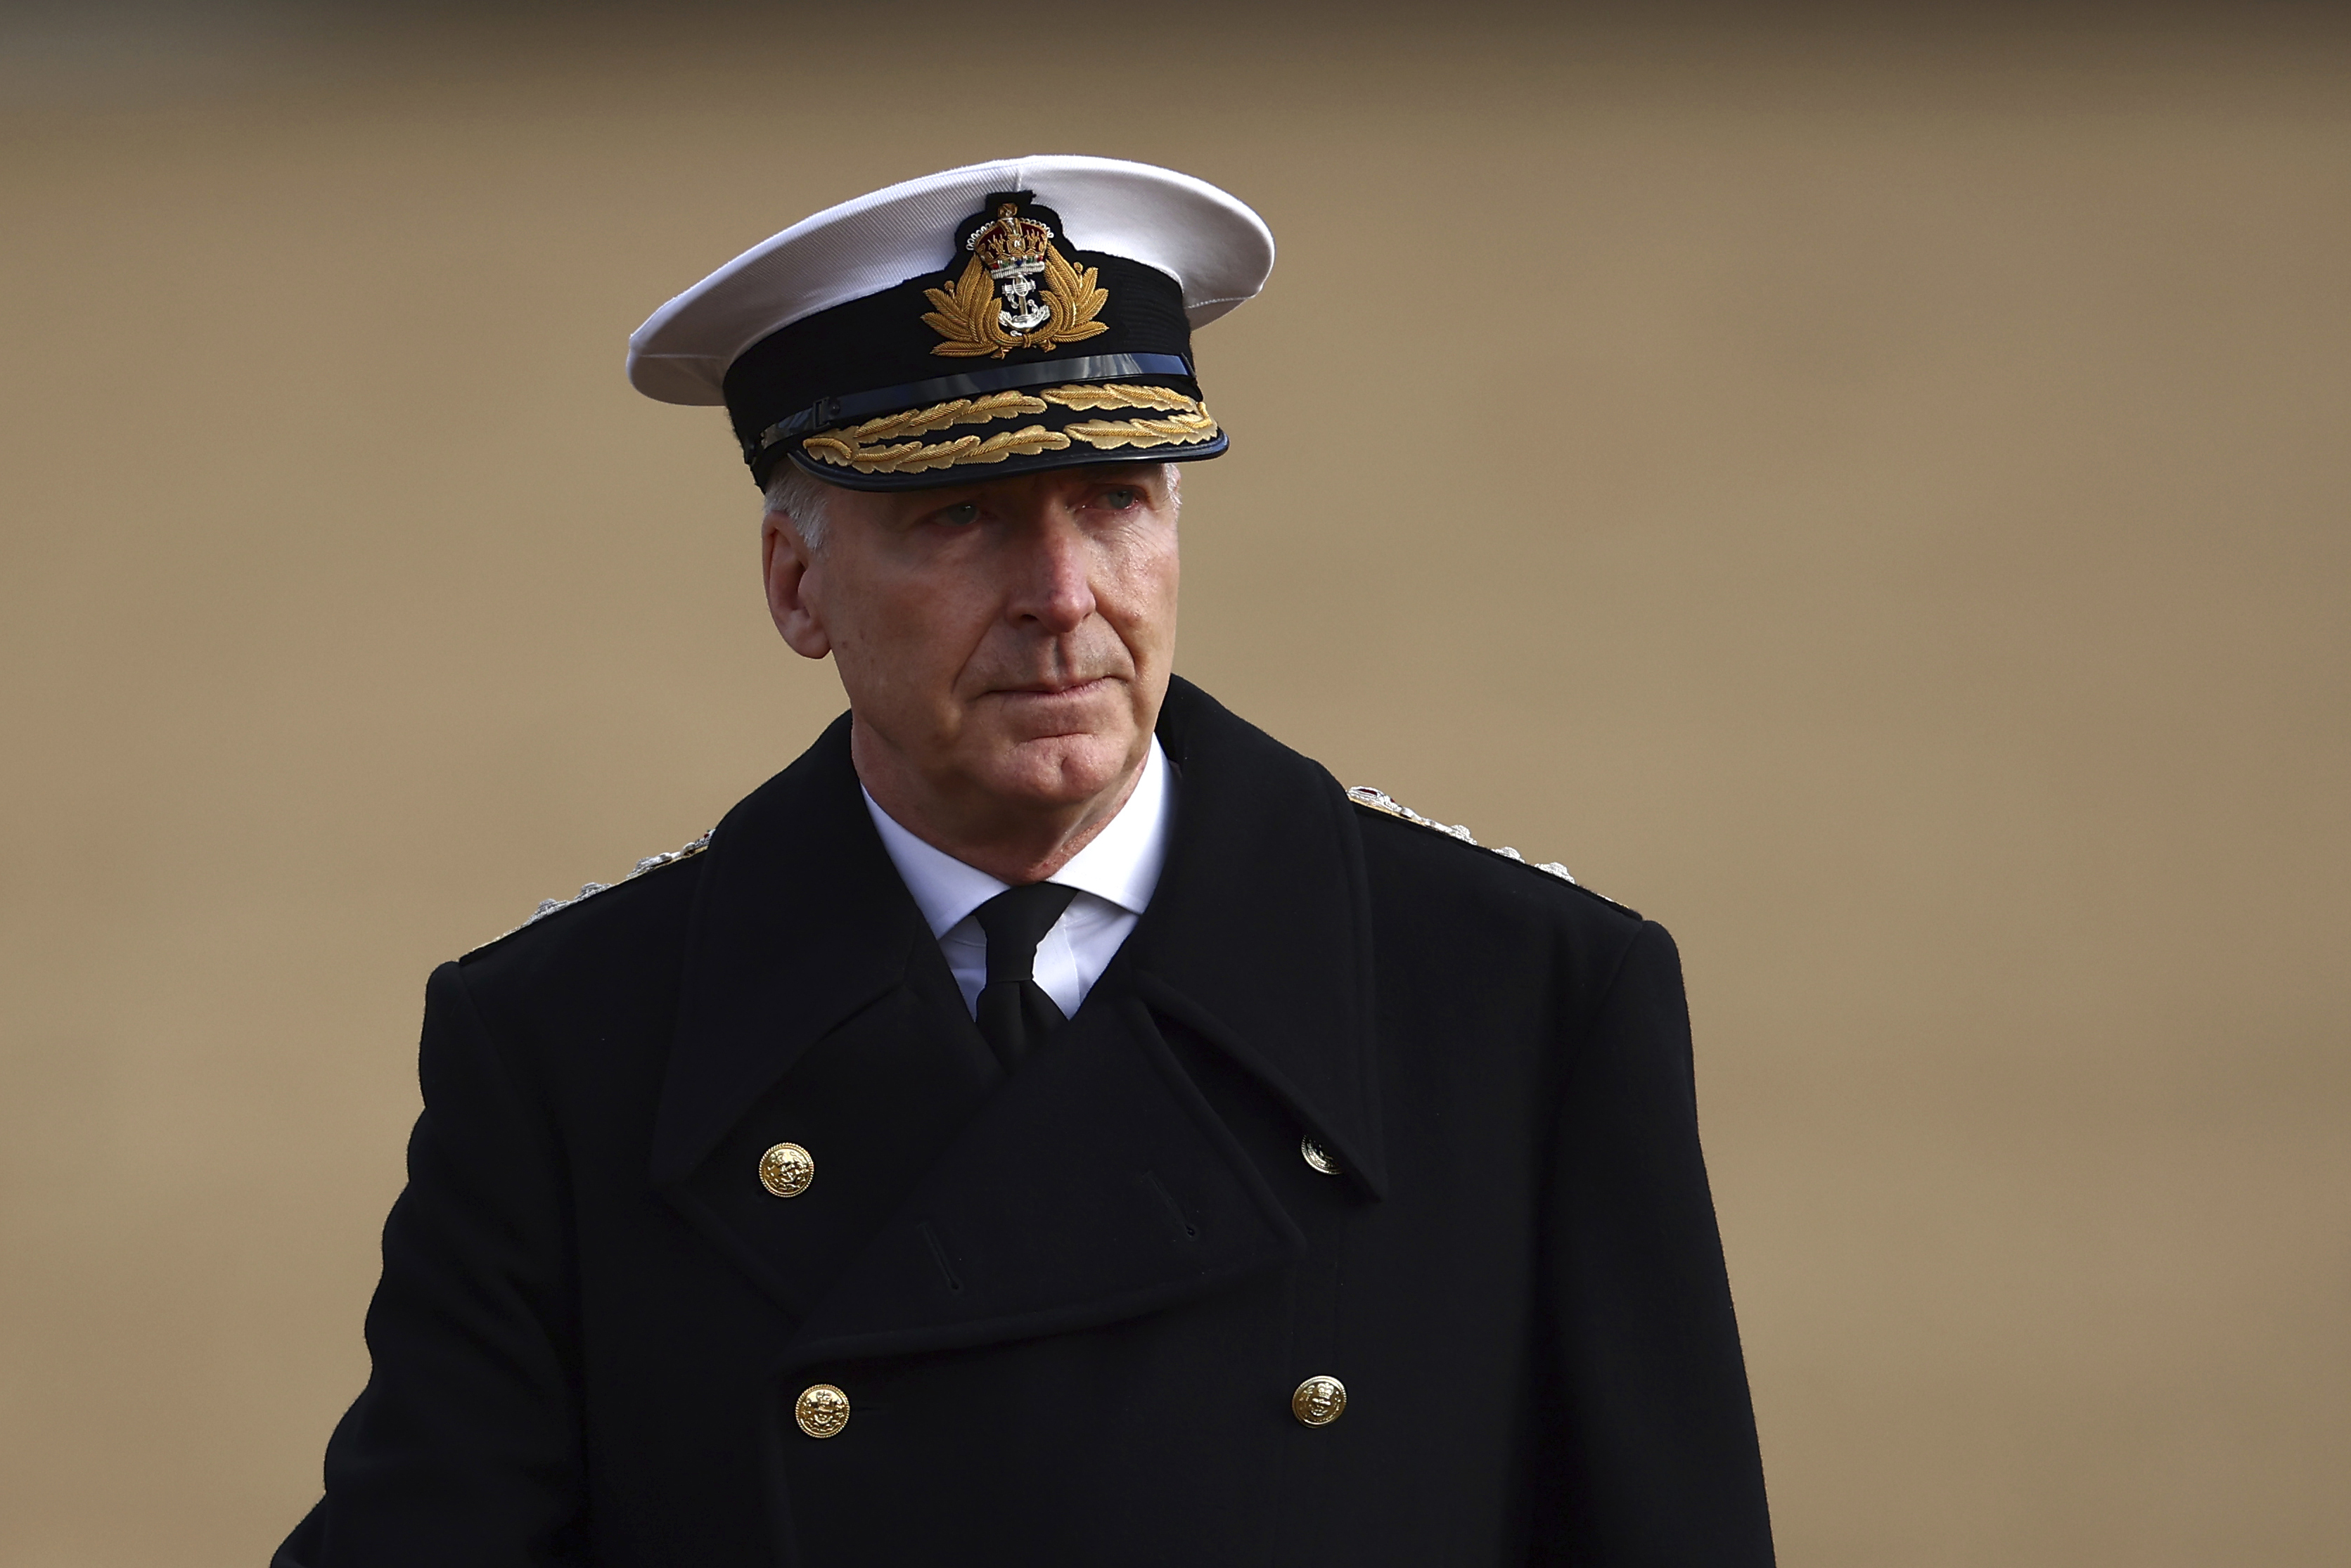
[997, 306]
[1009, 242]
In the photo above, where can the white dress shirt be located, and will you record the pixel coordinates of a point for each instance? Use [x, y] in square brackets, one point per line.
[1114, 875]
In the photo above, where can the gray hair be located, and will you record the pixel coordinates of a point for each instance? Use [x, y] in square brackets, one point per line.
[807, 500]
[804, 498]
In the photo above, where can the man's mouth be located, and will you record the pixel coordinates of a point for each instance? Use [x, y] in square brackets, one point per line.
[1057, 688]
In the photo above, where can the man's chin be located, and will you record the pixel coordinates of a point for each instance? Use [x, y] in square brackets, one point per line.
[1052, 771]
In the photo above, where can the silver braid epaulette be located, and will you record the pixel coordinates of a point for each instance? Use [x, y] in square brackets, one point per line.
[590, 889]
[1379, 801]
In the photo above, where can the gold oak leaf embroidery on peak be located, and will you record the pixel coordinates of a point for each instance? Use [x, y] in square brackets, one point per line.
[1113, 394]
[857, 446]
[916, 456]
[938, 416]
[1178, 430]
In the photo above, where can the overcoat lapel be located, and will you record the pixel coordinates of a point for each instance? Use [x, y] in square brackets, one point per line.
[1259, 934]
[800, 922]
[1098, 1182]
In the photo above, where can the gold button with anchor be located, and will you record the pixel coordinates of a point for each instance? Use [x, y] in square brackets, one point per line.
[1318, 1401]
[786, 1169]
[821, 1410]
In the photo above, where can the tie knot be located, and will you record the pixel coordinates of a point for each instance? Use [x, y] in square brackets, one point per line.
[1015, 920]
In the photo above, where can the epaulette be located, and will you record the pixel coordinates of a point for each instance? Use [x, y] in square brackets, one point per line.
[590, 889]
[1379, 801]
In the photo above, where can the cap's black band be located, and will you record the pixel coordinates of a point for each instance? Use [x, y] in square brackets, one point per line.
[828, 412]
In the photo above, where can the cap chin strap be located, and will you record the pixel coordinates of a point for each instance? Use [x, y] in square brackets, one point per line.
[828, 412]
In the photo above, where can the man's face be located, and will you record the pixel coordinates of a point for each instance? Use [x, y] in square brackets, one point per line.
[1008, 642]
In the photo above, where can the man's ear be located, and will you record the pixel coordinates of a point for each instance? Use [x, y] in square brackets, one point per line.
[794, 586]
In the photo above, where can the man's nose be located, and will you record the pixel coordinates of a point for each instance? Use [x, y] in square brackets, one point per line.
[1052, 584]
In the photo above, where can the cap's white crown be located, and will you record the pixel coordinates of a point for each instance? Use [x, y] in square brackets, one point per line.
[1211, 244]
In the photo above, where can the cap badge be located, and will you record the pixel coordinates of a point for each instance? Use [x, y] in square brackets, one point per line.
[997, 306]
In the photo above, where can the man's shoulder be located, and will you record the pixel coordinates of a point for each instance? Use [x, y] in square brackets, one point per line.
[630, 929]
[1421, 860]
[1402, 843]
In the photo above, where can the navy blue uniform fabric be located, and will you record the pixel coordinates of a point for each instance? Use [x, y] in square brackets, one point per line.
[1069, 1306]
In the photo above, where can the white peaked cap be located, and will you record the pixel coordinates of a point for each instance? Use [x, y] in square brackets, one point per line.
[1218, 251]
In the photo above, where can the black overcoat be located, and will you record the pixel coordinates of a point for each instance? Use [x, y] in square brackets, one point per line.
[1069, 1307]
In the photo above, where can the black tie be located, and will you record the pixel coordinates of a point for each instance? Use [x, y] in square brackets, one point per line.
[1015, 1014]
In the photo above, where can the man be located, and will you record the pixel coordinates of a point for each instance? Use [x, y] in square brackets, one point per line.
[1050, 1122]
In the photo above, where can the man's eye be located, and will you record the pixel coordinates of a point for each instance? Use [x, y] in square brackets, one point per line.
[1120, 499]
[960, 515]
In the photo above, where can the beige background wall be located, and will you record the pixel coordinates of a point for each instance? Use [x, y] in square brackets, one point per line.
[1872, 498]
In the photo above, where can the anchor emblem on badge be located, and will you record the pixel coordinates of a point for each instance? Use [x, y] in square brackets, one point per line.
[1016, 292]
[1012, 248]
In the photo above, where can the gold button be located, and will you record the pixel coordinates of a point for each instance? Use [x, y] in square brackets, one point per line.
[786, 1169]
[1318, 1156]
[822, 1410]
[1318, 1401]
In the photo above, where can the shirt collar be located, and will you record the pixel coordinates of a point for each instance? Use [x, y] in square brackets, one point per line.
[1121, 865]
